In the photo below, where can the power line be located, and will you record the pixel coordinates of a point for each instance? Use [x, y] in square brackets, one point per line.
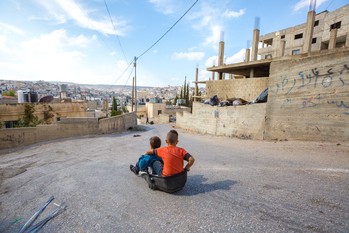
[127, 80]
[95, 29]
[329, 5]
[167, 30]
[121, 75]
[115, 30]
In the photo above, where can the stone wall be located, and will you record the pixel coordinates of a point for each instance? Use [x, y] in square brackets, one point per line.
[66, 127]
[246, 121]
[247, 89]
[11, 112]
[309, 97]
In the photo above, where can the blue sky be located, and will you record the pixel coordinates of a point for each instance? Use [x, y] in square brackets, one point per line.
[57, 40]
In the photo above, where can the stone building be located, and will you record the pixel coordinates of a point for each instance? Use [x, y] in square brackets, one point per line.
[306, 71]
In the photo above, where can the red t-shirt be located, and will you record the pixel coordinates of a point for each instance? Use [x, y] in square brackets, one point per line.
[173, 158]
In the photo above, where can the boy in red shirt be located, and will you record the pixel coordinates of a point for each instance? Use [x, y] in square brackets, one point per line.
[172, 155]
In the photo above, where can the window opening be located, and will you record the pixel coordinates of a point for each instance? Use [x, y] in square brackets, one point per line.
[336, 25]
[313, 41]
[316, 23]
[298, 36]
[297, 51]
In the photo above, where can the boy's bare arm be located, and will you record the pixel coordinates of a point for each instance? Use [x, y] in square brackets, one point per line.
[190, 163]
[149, 152]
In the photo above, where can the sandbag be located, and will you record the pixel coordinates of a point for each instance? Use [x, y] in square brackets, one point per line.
[214, 100]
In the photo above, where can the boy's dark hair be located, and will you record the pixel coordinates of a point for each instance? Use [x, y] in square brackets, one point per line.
[155, 142]
[172, 137]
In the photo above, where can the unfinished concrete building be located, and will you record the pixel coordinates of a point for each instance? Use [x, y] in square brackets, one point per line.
[306, 70]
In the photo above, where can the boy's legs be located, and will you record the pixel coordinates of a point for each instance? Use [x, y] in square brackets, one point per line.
[158, 167]
[135, 169]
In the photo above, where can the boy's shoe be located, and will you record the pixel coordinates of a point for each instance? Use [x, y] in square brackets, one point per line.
[134, 170]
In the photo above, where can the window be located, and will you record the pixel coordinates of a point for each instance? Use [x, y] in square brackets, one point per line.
[336, 25]
[297, 51]
[298, 36]
[58, 119]
[10, 124]
[267, 56]
[313, 41]
[159, 112]
[316, 23]
[283, 37]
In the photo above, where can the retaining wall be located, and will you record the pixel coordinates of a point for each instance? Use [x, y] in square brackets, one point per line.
[246, 121]
[66, 127]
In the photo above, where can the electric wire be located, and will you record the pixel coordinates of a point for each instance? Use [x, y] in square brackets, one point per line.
[127, 80]
[120, 75]
[329, 5]
[115, 31]
[95, 29]
[167, 31]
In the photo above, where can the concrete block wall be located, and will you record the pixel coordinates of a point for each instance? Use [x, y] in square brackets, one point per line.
[247, 89]
[235, 121]
[309, 97]
[67, 127]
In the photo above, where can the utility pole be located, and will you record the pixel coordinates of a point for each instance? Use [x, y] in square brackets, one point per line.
[133, 89]
[135, 65]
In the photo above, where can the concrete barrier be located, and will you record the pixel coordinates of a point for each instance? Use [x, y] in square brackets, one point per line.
[66, 127]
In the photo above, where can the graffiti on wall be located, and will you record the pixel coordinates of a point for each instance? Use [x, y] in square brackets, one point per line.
[314, 80]
[13, 138]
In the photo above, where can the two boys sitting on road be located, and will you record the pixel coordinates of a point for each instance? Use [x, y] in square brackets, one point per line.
[172, 156]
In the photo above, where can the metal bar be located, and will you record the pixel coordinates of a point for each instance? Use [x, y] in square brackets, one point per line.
[40, 224]
[32, 219]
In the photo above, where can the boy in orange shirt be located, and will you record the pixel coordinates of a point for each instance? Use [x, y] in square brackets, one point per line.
[172, 155]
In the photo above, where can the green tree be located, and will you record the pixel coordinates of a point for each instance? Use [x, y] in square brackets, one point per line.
[9, 93]
[124, 109]
[115, 113]
[114, 104]
[175, 100]
[29, 120]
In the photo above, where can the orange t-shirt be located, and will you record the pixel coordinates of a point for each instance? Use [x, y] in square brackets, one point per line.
[173, 159]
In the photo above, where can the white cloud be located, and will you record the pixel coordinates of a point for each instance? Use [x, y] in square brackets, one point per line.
[58, 38]
[238, 57]
[189, 56]
[113, 53]
[122, 65]
[164, 6]
[233, 14]
[215, 36]
[174, 79]
[16, 67]
[64, 10]
[6, 29]
[155, 51]
[192, 48]
[305, 3]
[212, 61]
[3, 46]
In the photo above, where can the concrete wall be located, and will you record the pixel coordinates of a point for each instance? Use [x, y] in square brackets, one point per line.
[235, 121]
[161, 119]
[247, 89]
[66, 127]
[153, 108]
[174, 110]
[309, 97]
[11, 112]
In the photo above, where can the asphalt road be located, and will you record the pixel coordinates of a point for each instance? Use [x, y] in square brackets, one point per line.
[234, 186]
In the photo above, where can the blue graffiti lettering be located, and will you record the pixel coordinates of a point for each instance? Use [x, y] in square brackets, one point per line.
[302, 76]
[294, 83]
[341, 104]
[343, 83]
[284, 83]
[277, 89]
[323, 84]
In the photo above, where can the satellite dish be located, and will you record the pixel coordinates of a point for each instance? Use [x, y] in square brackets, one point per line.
[46, 99]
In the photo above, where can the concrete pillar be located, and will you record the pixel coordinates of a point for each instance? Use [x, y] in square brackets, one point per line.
[275, 41]
[255, 45]
[230, 76]
[333, 37]
[282, 48]
[196, 84]
[220, 58]
[347, 40]
[213, 75]
[309, 28]
[291, 40]
[262, 43]
[247, 55]
[252, 73]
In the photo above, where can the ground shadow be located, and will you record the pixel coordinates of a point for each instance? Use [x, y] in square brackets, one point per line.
[195, 185]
